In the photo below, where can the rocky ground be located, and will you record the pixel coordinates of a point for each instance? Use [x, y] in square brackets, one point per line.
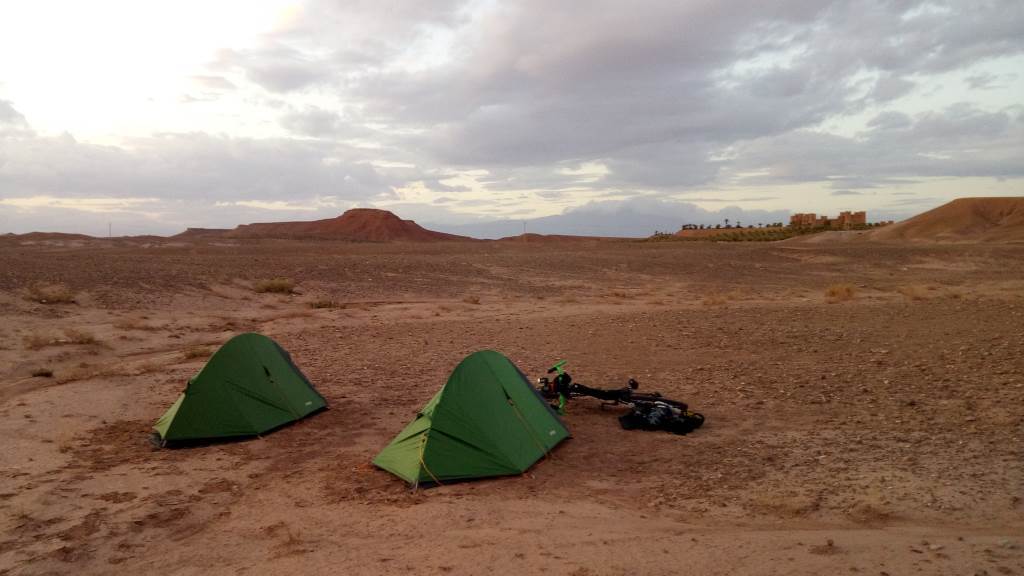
[864, 406]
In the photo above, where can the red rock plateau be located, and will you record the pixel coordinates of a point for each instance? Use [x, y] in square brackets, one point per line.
[357, 224]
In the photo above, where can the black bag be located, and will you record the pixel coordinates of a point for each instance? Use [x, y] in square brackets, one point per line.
[661, 416]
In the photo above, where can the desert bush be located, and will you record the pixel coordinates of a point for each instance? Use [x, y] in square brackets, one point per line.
[912, 292]
[471, 299]
[196, 351]
[42, 373]
[130, 324]
[713, 300]
[840, 292]
[51, 294]
[35, 341]
[319, 304]
[954, 293]
[73, 336]
[81, 372]
[275, 286]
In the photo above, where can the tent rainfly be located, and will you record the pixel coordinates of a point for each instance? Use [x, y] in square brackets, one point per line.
[486, 421]
[248, 387]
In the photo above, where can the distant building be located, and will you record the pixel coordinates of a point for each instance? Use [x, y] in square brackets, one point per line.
[803, 221]
[845, 221]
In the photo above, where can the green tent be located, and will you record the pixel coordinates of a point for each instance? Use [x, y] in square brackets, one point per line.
[486, 421]
[247, 387]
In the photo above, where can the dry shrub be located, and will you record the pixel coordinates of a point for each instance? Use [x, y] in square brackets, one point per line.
[275, 286]
[196, 351]
[42, 373]
[35, 341]
[471, 299]
[840, 292]
[144, 368]
[738, 294]
[319, 304]
[126, 324]
[713, 300]
[619, 294]
[130, 324]
[913, 292]
[51, 294]
[73, 336]
[955, 294]
[81, 372]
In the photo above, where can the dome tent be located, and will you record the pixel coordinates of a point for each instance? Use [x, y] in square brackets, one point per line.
[248, 387]
[486, 421]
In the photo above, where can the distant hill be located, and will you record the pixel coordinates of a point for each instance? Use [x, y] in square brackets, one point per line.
[49, 236]
[531, 238]
[962, 220]
[357, 224]
[195, 233]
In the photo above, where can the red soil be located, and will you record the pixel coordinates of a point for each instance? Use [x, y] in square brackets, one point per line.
[358, 224]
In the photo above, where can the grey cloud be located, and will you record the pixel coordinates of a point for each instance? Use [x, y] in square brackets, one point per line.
[890, 121]
[186, 166]
[315, 122]
[656, 92]
[890, 88]
[12, 122]
[982, 81]
[958, 141]
[212, 82]
[277, 68]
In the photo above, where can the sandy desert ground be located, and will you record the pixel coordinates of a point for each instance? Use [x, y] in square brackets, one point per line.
[880, 434]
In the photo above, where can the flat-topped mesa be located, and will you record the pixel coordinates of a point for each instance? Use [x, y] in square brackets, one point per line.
[357, 224]
[201, 233]
[997, 219]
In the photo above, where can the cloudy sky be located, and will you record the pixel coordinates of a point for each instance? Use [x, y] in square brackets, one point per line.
[155, 116]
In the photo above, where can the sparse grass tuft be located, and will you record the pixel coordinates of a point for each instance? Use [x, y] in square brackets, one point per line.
[81, 372]
[42, 373]
[196, 351]
[320, 304]
[840, 293]
[35, 341]
[275, 286]
[73, 336]
[913, 292]
[51, 294]
[713, 300]
[130, 324]
[472, 299]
